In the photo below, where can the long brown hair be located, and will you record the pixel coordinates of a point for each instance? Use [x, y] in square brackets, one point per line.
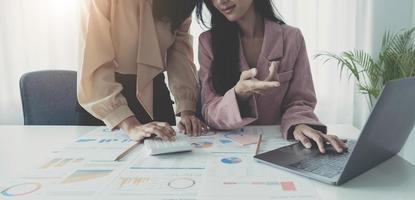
[225, 42]
[173, 11]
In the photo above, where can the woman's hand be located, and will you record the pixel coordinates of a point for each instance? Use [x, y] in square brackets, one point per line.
[138, 132]
[304, 133]
[248, 85]
[190, 124]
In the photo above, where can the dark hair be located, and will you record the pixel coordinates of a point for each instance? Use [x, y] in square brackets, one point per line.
[173, 11]
[225, 42]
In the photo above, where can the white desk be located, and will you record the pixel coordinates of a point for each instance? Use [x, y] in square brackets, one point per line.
[23, 148]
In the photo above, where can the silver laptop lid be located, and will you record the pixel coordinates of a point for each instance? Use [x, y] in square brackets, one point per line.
[386, 130]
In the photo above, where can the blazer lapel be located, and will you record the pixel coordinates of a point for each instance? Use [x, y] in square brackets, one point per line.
[149, 59]
[273, 46]
[272, 49]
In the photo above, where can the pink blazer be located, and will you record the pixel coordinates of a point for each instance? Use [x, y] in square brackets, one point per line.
[290, 104]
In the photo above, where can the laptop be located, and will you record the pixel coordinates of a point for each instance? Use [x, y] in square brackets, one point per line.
[382, 137]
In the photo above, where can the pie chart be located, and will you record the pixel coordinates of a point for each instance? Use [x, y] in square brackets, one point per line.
[231, 160]
[21, 189]
[181, 183]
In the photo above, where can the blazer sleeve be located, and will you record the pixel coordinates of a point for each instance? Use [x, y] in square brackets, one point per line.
[221, 112]
[181, 70]
[300, 100]
[98, 92]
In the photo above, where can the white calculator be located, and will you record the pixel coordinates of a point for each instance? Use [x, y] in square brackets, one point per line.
[157, 146]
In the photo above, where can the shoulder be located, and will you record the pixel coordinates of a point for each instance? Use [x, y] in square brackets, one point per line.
[101, 5]
[289, 31]
[292, 35]
[285, 31]
[205, 42]
[205, 38]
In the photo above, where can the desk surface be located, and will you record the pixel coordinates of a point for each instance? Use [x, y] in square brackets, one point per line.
[394, 179]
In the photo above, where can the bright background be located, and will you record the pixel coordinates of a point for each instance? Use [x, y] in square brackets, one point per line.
[44, 34]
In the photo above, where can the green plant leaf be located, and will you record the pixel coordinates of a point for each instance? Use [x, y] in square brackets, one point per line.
[396, 60]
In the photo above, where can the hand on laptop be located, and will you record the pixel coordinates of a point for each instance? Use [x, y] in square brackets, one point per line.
[304, 134]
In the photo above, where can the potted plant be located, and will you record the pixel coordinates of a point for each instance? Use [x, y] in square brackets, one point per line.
[396, 60]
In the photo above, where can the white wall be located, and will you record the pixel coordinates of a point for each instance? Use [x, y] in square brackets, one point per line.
[374, 18]
[413, 13]
[34, 35]
[39, 25]
[409, 149]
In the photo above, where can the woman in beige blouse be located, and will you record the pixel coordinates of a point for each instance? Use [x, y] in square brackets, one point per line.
[128, 46]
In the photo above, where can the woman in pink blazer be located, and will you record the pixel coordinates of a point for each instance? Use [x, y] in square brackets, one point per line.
[254, 70]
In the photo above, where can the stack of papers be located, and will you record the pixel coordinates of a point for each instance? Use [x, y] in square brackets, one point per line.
[221, 166]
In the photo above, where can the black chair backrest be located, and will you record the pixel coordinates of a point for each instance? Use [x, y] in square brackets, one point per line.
[49, 98]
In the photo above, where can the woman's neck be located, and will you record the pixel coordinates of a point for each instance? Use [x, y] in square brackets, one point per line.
[251, 24]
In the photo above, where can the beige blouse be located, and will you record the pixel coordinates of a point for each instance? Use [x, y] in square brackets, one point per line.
[123, 36]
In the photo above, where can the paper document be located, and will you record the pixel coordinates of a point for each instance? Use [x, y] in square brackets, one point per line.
[155, 184]
[220, 167]
[64, 178]
[100, 144]
[230, 177]
[244, 136]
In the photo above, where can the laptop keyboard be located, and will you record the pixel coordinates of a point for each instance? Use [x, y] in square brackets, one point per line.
[328, 165]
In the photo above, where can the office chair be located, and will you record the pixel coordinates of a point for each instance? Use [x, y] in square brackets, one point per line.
[49, 98]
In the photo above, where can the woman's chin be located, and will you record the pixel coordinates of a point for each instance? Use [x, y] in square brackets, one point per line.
[232, 18]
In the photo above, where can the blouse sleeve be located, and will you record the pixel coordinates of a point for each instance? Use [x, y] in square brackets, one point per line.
[98, 92]
[300, 100]
[181, 70]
